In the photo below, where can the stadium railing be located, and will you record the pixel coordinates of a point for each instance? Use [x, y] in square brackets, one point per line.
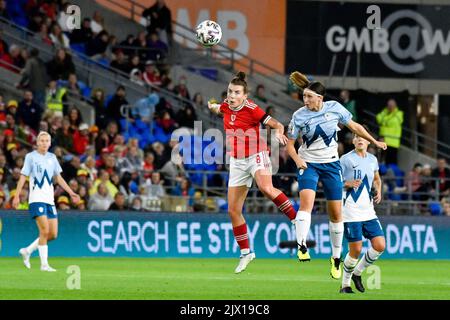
[417, 141]
[396, 199]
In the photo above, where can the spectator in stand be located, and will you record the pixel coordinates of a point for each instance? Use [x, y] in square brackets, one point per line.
[157, 49]
[413, 179]
[260, 93]
[12, 60]
[84, 34]
[349, 104]
[64, 136]
[97, 23]
[184, 189]
[154, 188]
[62, 17]
[126, 44]
[104, 177]
[70, 167]
[112, 48]
[89, 166]
[140, 45]
[34, 77]
[75, 118]
[199, 103]
[166, 122]
[43, 35]
[63, 203]
[29, 112]
[3, 10]
[151, 74]
[136, 77]
[162, 156]
[58, 38]
[61, 66]
[116, 102]
[35, 22]
[144, 109]
[120, 62]
[81, 139]
[390, 121]
[136, 204]
[101, 199]
[56, 98]
[186, 116]
[148, 165]
[181, 89]
[96, 47]
[119, 203]
[442, 173]
[135, 63]
[424, 192]
[159, 20]
[134, 158]
[98, 102]
[73, 86]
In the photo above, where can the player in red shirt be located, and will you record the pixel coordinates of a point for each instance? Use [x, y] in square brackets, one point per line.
[249, 159]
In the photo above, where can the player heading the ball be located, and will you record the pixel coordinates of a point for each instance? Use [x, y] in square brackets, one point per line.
[249, 158]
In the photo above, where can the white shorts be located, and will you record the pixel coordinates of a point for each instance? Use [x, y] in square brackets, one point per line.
[242, 171]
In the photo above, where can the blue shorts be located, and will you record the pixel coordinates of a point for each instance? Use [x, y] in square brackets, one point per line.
[353, 231]
[330, 175]
[38, 209]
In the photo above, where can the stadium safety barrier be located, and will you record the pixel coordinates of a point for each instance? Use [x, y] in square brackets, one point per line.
[177, 235]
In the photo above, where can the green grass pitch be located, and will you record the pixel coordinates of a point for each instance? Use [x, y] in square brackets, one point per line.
[195, 279]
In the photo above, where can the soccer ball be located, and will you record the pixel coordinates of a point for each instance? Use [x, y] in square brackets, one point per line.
[208, 33]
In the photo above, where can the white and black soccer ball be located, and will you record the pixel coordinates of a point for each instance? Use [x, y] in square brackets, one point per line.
[208, 33]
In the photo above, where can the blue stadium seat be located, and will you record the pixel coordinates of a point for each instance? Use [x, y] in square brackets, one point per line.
[78, 47]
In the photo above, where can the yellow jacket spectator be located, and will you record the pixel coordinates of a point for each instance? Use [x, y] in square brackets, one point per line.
[104, 177]
[390, 121]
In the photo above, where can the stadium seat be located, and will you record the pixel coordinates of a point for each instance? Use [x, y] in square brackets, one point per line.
[78, 47]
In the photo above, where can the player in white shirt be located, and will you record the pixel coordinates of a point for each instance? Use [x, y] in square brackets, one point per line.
[317, 159]
[42, 167]
[360, 172]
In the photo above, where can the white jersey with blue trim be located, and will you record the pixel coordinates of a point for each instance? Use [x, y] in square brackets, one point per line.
[41, 169]
[319, 130]
[358, 203]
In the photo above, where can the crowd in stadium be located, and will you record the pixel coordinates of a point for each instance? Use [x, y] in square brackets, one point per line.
[113, 168]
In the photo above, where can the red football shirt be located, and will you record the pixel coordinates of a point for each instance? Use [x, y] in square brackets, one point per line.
[242, 127]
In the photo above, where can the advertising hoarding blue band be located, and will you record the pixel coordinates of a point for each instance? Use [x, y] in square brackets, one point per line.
[132, 234]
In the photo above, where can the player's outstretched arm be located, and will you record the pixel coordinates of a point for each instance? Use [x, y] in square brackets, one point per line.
[274, 124]
[360, 131]
[214, 107]
[20, 184]
[75, 197]
[299, 162]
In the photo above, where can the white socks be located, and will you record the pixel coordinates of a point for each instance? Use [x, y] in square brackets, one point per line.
[336, 235]
[369, 258]
[33, 246]
[43, 254]
[349, 266]
[245, 251]
[302, 224]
